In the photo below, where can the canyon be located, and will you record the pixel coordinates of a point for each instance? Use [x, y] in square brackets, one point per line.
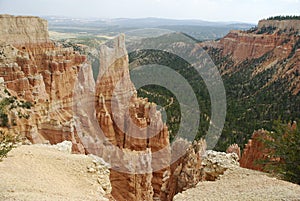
[49, 95]
[54, 98]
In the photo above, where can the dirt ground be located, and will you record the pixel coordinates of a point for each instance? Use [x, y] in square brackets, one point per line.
[241, 184]
[40, 173]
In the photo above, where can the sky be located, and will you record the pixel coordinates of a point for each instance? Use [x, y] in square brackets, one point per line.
[211, 10]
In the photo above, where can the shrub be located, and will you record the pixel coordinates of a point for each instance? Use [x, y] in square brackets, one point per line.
[3, 120]
[7, 92]
[26, 105]
[268, 30]
[7, 143]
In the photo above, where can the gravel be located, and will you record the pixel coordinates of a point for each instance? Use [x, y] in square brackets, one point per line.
[241, 184]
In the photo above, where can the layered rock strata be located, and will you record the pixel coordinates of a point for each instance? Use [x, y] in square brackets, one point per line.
[241, 45]
[278, 41]
[23, 30]
[132, 127]
[38, 72]
[130, 124]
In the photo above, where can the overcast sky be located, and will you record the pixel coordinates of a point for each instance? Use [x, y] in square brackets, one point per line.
[212, 10]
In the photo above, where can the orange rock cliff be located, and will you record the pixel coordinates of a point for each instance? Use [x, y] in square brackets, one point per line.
[278, 39]
[37, 71]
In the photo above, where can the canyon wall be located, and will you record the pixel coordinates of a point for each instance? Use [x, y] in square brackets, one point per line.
[276, 46]
[42, 75]
[22, 30]
[241, 45]
[260, 69]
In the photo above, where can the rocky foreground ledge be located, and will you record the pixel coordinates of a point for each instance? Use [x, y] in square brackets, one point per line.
[45, 172]
[48, 173]
[240, 184]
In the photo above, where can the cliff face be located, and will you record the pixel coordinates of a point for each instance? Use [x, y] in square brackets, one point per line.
[279, 40]
[22, 30]
[136, 139]
[241, 46]
[130, 123]
[37, 71]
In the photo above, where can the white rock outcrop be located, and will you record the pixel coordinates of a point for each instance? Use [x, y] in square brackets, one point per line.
[216, 163]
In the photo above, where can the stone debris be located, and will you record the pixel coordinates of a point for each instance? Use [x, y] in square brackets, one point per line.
[65, 146]
[216, 163]
[100, 169]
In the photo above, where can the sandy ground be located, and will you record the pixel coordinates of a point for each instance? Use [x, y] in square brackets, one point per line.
[40, 173]
[242, 184]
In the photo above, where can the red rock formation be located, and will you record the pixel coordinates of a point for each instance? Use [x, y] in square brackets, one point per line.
[281, 44]
[234, 148]
[241, 45]
[36, 70]
[130, 123]
[255, 151]
[186, 171]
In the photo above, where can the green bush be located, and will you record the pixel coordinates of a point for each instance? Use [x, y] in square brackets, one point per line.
[3, 120]
[3, 116]
[7, 143]
[268, 30]
[284, 146]
[7, 92]
[26, 105]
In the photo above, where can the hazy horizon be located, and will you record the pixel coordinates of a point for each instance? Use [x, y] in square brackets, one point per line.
[208, 10]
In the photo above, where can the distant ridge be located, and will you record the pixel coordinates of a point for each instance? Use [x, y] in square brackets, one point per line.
[142, 22]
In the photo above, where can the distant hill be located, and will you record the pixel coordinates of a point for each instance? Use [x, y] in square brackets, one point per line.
[201, 30]
[138, 22]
